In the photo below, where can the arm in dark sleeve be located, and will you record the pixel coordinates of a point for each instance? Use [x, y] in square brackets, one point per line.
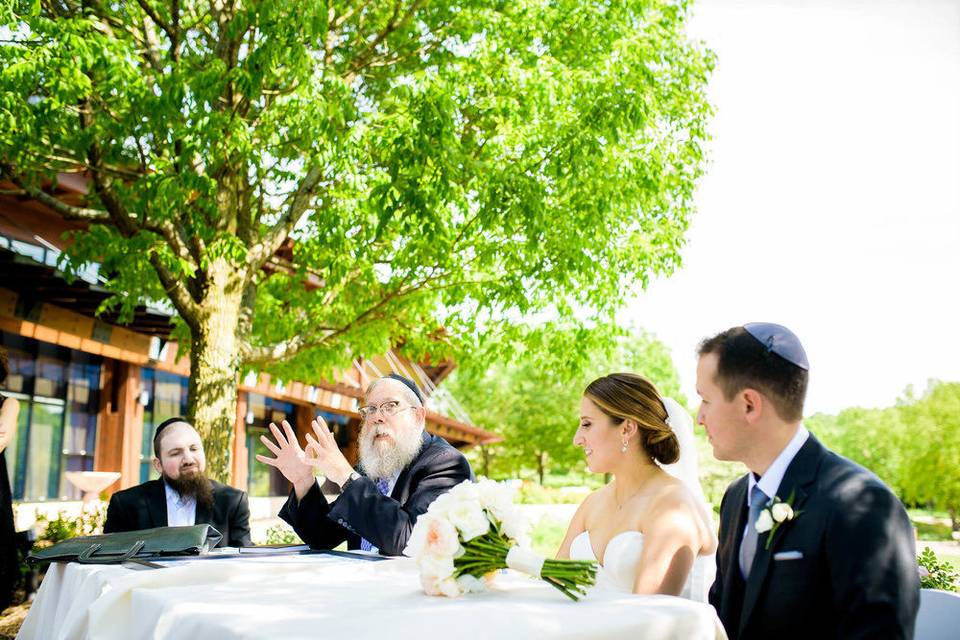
[385, 522]
[716, 589]
[308, 517]
[116, 517]
[873, 566]
[240, 522]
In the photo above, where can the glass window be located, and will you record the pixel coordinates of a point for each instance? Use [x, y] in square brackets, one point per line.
[20, 376]
[83, 410]
[59, 393]
[16, 447]
[44, 434]
[262, 479]
[166, 396]
[51, 375]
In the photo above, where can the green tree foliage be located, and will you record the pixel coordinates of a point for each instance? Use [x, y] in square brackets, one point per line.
[930, 467]
[308, 181]
[533, 401]
[869, 437]
[914, 446]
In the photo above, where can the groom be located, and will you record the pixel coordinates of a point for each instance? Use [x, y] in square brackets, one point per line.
[842, 564]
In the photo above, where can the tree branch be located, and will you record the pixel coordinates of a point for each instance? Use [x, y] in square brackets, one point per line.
[299, 201]
[157, 20]
[395, 21]
[65, 210]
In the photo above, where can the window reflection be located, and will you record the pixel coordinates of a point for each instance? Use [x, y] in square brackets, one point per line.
[166, 398]
[59, 393]
[264, 480]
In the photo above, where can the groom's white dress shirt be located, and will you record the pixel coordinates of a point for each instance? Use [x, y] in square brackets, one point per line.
[769, 483]
[181, 512]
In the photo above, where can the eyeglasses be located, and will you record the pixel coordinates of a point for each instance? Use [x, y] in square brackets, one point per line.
[388, 408]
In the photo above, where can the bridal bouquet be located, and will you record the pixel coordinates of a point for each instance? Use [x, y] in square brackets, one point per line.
[474, 530]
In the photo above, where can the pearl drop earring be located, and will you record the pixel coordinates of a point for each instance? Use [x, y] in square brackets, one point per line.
[623, 449]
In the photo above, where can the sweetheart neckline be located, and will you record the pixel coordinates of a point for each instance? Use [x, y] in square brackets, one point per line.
[609, 542]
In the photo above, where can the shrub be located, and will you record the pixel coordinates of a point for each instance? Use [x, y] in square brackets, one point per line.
[64, 526]
[935, 574]
[282, 534]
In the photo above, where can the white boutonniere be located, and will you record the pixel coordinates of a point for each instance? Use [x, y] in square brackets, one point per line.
[775, 514]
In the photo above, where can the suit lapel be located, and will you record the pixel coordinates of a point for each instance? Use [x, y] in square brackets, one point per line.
[157, 503]
[734, 521]
[799, 475]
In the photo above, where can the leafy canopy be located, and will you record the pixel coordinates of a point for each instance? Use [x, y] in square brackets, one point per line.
[418, 164]
[534, 401]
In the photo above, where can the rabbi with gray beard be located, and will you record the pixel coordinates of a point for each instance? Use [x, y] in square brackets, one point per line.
[402, 470]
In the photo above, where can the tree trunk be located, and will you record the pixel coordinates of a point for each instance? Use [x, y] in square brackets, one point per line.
[541, 463]
[214, 368]
[954, 519]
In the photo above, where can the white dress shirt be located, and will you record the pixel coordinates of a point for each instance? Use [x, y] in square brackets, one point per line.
[769, 483]
[181, 512]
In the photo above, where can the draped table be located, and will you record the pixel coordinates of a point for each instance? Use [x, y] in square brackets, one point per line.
[333, 596]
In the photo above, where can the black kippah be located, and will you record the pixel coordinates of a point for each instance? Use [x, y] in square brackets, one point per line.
[409, 383]
[166, 423]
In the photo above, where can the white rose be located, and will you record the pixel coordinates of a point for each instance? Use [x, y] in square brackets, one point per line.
[495, 496]
[449, 587]
[782, 511]
[440, 536]
[764, 521]
[434, 567]
[441, 505]
[418, 538]
[516, 526]
[470, 584]
[469, 518]
[466, 490]
[439, 587]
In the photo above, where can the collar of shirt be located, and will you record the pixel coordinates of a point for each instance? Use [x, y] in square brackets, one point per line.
[770, 481]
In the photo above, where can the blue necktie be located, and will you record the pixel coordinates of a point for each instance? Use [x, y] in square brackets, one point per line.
[383, 487]
[748, 548]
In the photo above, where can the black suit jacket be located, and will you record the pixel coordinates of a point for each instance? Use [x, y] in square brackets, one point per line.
[858, 574]
[362, 511]
[145, 507]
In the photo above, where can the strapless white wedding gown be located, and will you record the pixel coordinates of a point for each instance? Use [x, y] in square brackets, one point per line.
[621, 557]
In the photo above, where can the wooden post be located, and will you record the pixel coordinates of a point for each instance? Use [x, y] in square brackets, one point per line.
[120, 432]
[241, 457]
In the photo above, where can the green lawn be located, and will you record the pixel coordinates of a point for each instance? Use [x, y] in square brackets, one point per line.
[547, 535]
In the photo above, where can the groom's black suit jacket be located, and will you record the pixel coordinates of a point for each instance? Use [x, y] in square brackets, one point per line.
[858, 574]
[145, 507]
[362, 511]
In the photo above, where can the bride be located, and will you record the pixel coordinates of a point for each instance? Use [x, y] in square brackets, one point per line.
[650, 528]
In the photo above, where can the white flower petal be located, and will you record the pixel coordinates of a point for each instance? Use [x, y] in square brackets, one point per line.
[764, 521]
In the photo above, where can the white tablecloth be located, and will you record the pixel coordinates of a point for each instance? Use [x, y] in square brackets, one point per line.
[320, 596]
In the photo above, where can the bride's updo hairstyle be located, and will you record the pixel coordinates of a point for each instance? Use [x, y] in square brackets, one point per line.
[627, 396]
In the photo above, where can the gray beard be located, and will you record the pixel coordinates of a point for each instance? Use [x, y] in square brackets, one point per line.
[386, 461]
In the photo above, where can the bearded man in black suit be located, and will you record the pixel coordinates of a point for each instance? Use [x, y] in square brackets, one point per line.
[402, 470]
[183, 495]
[811, 544]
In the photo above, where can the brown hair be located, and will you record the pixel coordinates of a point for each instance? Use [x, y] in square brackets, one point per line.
[743, 362]
[4, 365]
[627, 396]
